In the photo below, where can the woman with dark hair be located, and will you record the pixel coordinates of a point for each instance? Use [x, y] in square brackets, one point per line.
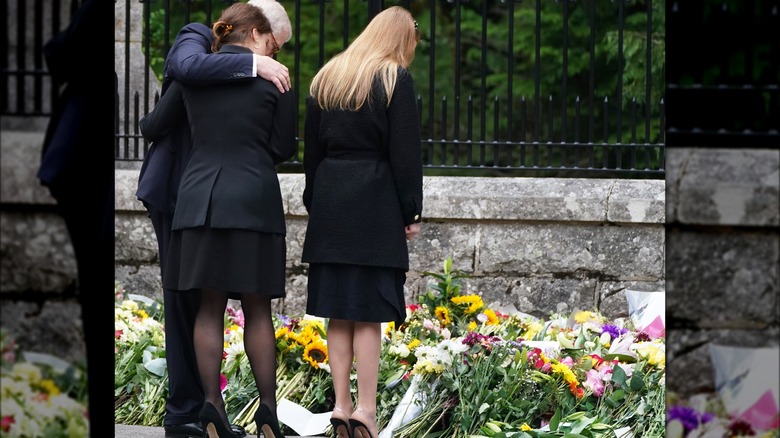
[228, 234]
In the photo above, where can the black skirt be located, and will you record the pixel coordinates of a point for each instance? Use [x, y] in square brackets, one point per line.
[356, 293]
[231, 260]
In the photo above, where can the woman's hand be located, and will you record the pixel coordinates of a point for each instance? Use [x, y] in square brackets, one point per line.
[412, 230]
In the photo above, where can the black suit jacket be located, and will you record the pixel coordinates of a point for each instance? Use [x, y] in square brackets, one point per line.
[188, 61]
[72, 139]
[240, 132]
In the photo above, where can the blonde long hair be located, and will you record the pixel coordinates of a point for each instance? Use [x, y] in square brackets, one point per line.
[387, 42]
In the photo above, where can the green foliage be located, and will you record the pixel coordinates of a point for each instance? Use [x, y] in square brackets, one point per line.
[326, 28]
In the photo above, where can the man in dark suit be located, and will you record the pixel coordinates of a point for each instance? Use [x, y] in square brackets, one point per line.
[77, 166]
[161, 171]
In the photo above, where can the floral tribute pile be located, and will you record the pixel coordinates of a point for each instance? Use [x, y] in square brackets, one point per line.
[454, 368]
[40, 395]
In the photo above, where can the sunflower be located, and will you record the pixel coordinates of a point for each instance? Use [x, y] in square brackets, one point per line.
[316, 352]
[443, 315]
[474, 302]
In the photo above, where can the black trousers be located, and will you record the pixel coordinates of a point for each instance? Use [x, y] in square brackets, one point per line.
[185, 392]
[89, 218]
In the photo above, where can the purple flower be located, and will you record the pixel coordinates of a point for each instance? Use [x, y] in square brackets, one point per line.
[486, 342]
[689, 417]
[614, 331]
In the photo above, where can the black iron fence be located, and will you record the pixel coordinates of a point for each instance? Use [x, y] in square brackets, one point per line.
[522, 88]
[723, 73]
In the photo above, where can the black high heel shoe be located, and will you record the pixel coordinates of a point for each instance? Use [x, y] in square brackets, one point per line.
[338, 423]
[267, 423]
[340, 426]
[358, 427]
[213, 426]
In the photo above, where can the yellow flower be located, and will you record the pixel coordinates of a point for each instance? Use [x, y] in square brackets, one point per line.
[474, 301]
[390, 329]
[316, 352]
[581, 316]
[283, 331]
[472, 326]
[567, 373]
[48, 386]
[443, 315]
[142, 313]
[307, 335]
[654, 352]
[413, 344]
[532, 329]
[492, 318]
[313, 324]
[525, 427]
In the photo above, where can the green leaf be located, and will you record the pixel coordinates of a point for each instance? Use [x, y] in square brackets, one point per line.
[395, 376]
[582, 424]
[555, 420]
[619, 376]
[574, 416]
[624, 358]
[448, 265]
[156, 366]
[637, 383]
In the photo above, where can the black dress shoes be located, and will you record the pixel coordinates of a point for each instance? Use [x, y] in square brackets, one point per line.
[195, 430]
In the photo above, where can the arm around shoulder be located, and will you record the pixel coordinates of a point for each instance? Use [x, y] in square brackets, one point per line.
[190, 60]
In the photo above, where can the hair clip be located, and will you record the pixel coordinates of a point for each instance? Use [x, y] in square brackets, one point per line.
[415, 24]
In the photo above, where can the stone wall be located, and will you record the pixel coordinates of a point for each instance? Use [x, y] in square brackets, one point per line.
[542, 245]
[723, 256]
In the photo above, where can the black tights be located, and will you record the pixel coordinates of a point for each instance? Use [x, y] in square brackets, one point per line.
[259, 344]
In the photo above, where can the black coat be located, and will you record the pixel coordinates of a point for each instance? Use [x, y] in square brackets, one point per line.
[190, 60]
[240, 132]
[363, 179]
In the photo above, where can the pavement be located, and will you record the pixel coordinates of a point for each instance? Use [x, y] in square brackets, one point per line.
[125, 431]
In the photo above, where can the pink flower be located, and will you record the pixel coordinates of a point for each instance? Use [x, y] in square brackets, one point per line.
[6, 422]
[237, 316]
[568, 361]
[594, 382]
[222, 382]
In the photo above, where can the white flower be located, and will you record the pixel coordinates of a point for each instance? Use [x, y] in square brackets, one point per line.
[33, 411]
[235, 351]
[400, 350]
[26, 371]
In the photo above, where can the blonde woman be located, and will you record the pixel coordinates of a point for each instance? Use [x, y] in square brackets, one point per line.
[363, 168]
